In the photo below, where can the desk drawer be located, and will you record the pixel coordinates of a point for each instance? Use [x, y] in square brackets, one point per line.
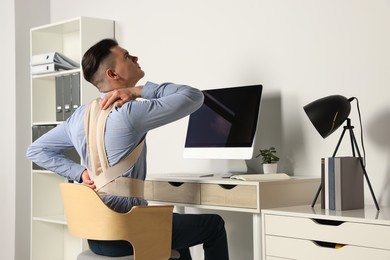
[350, 233]
[179, 192]
[242, 196]
[290, 248]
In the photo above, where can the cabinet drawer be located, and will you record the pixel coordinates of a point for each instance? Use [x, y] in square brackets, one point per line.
[290, 248]
[242, 196]
[350, 233]
[179, 192]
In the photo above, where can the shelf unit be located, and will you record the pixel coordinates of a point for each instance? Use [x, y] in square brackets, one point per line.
[49, 236]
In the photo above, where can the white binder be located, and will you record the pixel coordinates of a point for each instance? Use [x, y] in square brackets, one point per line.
[50, 67]
[53, 57]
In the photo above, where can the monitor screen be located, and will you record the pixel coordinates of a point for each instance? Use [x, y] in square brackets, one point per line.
[224, 127]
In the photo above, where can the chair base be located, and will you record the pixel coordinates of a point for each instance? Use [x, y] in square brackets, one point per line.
[89, 255]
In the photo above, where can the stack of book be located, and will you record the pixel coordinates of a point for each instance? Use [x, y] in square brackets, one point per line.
[51, 62]
[342, 183]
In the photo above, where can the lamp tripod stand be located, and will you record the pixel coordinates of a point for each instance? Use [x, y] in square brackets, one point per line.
[354, 146]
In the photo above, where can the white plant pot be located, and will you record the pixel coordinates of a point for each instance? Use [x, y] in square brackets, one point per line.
[270, 168]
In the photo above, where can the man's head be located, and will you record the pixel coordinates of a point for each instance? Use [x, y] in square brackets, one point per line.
[108, 66]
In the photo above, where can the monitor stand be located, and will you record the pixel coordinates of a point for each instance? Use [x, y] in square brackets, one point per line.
[237, 166]
[234, 167]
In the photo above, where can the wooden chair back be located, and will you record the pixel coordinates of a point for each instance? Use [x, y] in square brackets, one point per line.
[147, 228]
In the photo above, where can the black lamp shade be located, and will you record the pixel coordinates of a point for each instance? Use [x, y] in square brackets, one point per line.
[328, 113]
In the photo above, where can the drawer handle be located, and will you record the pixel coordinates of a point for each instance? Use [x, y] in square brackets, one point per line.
[175, 184]
[328, 244]
[227, 186]
[328, 222]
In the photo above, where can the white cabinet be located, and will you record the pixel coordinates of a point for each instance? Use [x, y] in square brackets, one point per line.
[313, 233]
[49, 237]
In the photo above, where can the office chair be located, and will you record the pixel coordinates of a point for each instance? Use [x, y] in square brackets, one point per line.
[147, 228]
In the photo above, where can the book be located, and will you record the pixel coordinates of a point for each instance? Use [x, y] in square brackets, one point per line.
[343, 183]
[48, 68]
[326, 183]
[323, 183]
[261, 177]
[331, 183]
[53, 57]
[349, 183]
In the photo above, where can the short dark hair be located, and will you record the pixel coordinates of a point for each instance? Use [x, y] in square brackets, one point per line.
[94, 56]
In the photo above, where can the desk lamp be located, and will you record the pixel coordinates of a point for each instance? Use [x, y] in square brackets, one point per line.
[327, 115]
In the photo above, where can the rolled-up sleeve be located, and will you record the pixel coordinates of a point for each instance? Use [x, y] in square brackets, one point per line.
[164, 104]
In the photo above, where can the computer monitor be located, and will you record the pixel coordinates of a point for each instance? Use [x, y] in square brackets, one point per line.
[225, 126]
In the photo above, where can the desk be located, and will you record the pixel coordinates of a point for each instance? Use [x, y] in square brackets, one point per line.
[217, 193]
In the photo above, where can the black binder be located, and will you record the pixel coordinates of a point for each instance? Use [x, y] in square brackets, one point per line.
[75, 90]
[59, 98]
[67, 95]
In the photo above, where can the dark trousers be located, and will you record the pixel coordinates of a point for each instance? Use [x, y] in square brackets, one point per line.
[187, 230]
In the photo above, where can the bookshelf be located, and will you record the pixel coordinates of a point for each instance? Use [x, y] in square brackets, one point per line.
[49, 236]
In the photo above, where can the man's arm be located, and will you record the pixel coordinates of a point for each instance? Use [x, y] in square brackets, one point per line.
[166, 103]
[48, 152]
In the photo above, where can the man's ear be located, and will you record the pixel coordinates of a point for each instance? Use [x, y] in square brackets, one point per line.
[111, 74]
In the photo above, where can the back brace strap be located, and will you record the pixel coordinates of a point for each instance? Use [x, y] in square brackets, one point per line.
[108, 179]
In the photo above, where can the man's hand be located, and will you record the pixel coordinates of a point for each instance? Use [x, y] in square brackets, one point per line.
[120, 96]
[87, 180]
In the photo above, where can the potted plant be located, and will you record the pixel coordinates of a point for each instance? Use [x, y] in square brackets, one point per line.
[269, 160]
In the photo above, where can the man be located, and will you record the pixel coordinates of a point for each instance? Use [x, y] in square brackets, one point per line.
[115, 73]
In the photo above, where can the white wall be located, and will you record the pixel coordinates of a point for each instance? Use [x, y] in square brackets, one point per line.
[17, 17]
[28, 14]
[299, 50]
[7, 132]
